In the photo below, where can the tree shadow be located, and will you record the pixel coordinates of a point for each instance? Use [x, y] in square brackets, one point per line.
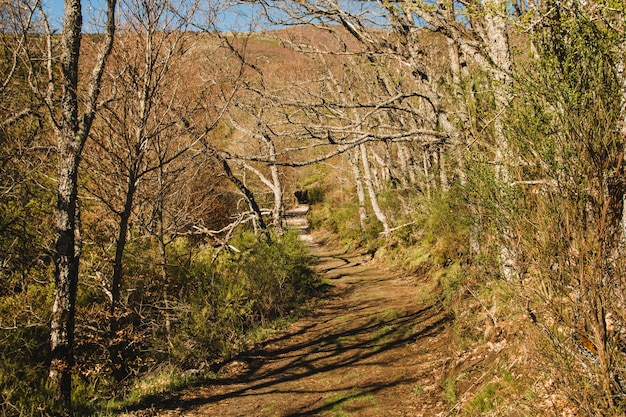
[338, 334]
[287, 358]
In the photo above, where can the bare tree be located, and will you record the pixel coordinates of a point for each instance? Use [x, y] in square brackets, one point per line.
[138, 132]
[73, 118]
[353, 158]
[261, 132]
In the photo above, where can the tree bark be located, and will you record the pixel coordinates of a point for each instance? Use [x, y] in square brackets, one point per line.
[66, 260]
[621, 72]
[66, 279]
[72, 134]
[367, 173]
[353, 157]
[115, 348]
[496, 37]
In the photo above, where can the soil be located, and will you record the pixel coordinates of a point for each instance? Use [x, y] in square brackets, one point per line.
[374, 344]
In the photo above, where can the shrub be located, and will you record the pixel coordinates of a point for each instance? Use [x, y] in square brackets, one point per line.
[23, 370]
[244, 288]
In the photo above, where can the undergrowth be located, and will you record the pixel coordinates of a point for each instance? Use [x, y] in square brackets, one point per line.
[210, 308]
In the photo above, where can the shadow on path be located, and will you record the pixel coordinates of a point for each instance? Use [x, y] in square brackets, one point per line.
[362, 351]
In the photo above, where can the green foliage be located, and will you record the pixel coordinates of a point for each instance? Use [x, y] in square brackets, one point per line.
[449, 386]
[23, 370]
[215, 302]
[25, 230]
[438, 236]
[315, 195]
[243, 289]
[164, 379]
[446, 225]
[343, 221]
[565, 217]
[198, 314]
[451, 279]
[491, 204]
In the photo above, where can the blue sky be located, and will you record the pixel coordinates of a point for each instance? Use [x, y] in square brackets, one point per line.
[236, 19]
[54, 9]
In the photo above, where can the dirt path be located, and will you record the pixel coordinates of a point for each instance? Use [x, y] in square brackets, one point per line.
[371, 347]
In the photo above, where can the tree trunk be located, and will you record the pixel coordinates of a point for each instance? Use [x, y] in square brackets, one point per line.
[353, 157]
[496, 36]
[621, 71]
[459, 148]
[247, 193]
[426, 170]
[166, 284]
[279, 208]
[277, 188]
[367, 173]
[115, 347]
[66, 259]
[66, 279]
[406, 168]
[497, 41]
[160, 232]
[72, 135]
[443, 174]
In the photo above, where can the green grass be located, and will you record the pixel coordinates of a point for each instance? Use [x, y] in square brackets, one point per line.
[345, 340]
[268, 410]
[449, 386]
[381, 337]
[485, 400]
[418, 390]
[258, 334]
[340, 396]
[341, 399]
[390, 314]
[345, 318]
[154, 385]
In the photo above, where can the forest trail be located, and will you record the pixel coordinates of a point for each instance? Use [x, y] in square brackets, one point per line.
[373, 345]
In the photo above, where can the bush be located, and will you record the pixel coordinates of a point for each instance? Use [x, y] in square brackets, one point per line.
[23, 370]
[259, 281]
[565, 124]
[197, 314]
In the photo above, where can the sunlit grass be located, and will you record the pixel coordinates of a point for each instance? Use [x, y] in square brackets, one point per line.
[342, 399]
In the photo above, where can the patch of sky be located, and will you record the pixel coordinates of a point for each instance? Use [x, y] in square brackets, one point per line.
[228, 16]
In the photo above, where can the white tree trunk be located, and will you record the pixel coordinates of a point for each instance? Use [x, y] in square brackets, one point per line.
[496, 38]
[279, 207]
[406, 168]
[353, 157]
[367, 173]
[621, 71]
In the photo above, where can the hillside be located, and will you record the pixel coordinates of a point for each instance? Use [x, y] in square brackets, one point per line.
[464, 164]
